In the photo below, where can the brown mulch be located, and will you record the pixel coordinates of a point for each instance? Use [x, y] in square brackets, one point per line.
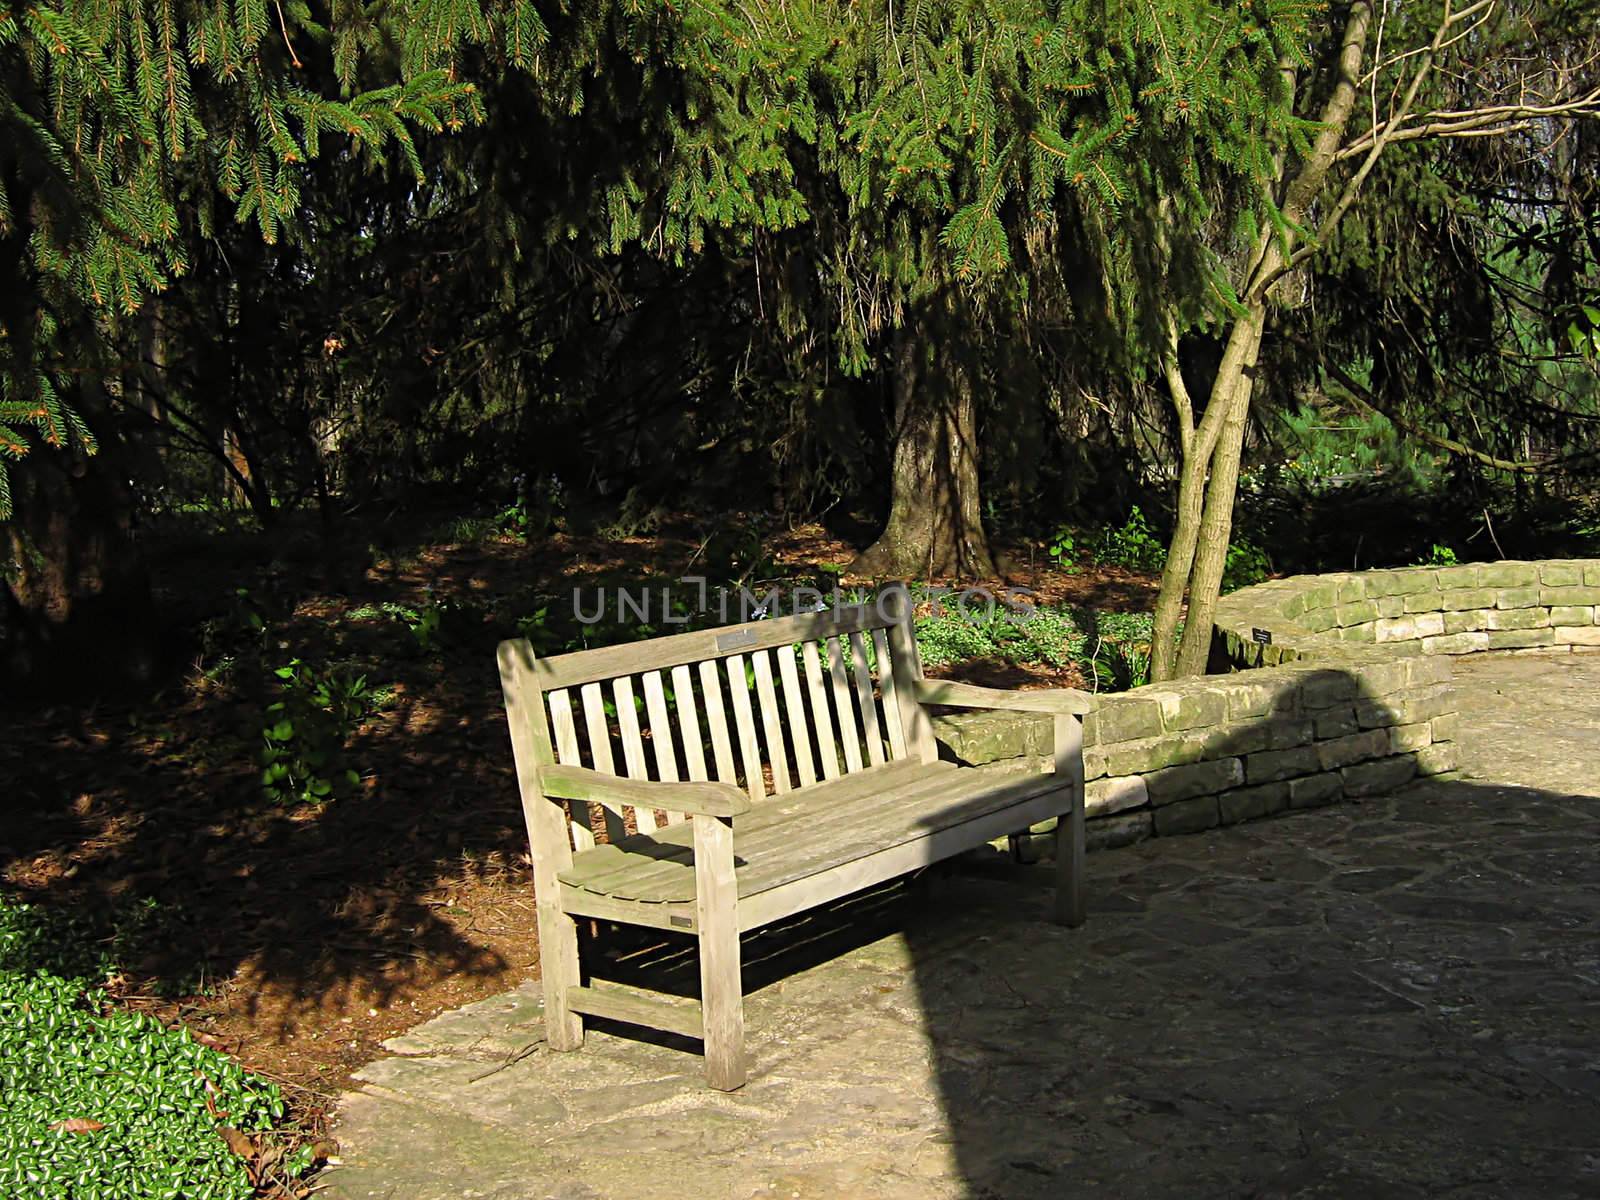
[316, 933]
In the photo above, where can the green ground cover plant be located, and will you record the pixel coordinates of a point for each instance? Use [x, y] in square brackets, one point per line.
[99, 1103]
[1111, 649]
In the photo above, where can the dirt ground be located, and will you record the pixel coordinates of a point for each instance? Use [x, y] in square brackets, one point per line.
[299, 938]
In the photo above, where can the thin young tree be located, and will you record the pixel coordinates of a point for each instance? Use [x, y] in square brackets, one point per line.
[1394, 78]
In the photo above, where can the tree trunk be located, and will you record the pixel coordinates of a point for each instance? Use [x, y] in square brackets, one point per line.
[76, 594]
[1216, 530]
[935, 525]
[1208, 483]
[1200, 449]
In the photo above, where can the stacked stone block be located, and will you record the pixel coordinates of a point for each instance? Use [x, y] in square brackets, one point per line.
[1549, 605]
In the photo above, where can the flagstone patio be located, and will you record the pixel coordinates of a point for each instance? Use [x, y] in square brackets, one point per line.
[1394, 998]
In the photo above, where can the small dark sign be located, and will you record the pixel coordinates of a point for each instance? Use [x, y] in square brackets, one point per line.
[1263, 636]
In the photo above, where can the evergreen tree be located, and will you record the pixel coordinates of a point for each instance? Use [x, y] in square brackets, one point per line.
[116, 113]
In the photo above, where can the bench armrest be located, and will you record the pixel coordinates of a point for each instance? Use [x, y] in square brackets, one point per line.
[1054, 701]
[615, 791]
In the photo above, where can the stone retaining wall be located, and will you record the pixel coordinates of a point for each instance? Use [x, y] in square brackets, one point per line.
[1338, 686]
[1418, 610]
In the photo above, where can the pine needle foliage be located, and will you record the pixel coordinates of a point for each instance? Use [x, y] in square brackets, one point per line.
[116, 116]
[929, 143]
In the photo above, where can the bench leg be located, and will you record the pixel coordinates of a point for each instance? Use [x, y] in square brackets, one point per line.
[721, 986]
[559, 970]
[1071, 905]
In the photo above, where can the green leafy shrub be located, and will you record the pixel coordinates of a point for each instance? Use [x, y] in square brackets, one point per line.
[1119, 658]
[1132, 545]
[1438, 556]
[101, 1104]
[1063, 548]
[305, 732]
[1246, 565]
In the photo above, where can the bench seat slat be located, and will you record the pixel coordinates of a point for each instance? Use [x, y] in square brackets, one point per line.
[766, 824]
[807, 833]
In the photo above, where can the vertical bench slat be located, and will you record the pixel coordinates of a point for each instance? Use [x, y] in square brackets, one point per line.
[849, 730]
[777, 755]
[891, 704]
[821, 720]
[794, 705]
[906, 668]
[744, 720]
[694, 750]
[869, 706]
[717, 723]
[567, 753]
[632, 745]
[655, 706]
[594, 722]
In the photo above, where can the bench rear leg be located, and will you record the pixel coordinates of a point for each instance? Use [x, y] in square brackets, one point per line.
[1071, 906]
[721, 982]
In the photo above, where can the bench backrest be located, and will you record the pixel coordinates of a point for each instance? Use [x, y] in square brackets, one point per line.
[769, 706]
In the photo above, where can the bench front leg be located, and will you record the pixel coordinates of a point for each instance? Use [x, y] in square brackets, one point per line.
[721, 982]
[1071, 905]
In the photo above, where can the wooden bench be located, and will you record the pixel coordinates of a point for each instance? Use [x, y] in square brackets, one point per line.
[745, 774]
